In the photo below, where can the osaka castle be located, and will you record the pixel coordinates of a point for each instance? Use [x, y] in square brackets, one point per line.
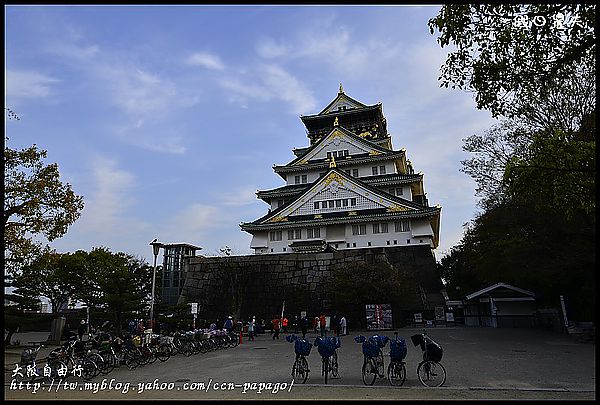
[348, 189]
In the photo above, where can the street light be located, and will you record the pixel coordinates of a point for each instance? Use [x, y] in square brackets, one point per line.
[155, 249]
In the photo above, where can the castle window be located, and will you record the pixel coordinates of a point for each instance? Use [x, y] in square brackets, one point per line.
[354, 244]
[338, 203]
[402, 226]
[359, 229]
[388, 242]
[331, 203]
[274, 236]
[347, 172]
[284, 249]
[369, 243]
[354, 172]
[294, 234]
[296, 179]
[316, 205]
[407, 240]
[381, 169]
[312, 233]
[395, 242]
[375, 228]
[345, 202]
[353, 201]
[346, 152]
[304, 178]
[374, 169]
[384, 227]
[328, 155]
[279, 203]
[347, 245]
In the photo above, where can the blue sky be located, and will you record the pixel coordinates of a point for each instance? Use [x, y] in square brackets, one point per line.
[167, 119]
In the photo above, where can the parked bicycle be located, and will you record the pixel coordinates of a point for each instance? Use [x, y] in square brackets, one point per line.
[430, 371]
[396, 371]
[73, 353]
[327, 348]
[373, 364]
[302, 349]
[29, 366]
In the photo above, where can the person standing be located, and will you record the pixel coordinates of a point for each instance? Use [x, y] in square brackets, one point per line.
[276, 325]
[295, 323]
[322, 324]
[228, 326]
[81, 329]
[304, 326]
[316, 323]
[251, 326]
[343, 325]
[284, 322]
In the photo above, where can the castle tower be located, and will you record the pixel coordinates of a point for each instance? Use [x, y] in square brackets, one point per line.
[349, 189]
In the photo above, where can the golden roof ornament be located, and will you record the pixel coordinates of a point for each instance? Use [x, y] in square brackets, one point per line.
[336, 122]
[332, 163]
[341, 89]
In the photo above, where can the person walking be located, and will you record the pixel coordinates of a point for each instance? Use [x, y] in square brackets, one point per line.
[303, 326]
[276, 325]
[334, 325]
[284, 322]
[343, 325]
[251, 326]
[322, 324]
[316, 323]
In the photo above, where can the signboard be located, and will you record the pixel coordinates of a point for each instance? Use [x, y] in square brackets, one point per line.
[418, 317]
[449, 317]
[194, 307]
[379, 316]
[302, 314]
[439, 314]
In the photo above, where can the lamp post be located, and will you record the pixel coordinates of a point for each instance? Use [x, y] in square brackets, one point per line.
[155, 249]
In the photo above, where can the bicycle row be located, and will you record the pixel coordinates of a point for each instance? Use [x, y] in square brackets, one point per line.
[104, 352]
[430, 372]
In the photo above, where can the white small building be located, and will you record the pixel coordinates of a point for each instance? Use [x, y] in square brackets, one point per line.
[500, 306]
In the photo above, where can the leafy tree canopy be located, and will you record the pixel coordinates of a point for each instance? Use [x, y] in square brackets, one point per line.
[36, 202]
[510, 54]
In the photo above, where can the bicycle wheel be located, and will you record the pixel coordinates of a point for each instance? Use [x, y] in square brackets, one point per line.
[396, 373]
[109, 363]
[98, 361]
[163, 353]
[131, 359]
[300, 370]
[89, 369]
[380, 365]
[369, 371]
[333, 365]
[431, 373]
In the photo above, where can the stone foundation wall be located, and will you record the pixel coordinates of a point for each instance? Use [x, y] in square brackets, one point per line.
[256, 285]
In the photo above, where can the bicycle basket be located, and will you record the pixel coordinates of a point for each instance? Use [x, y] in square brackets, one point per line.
[434, 352]
[325, 346]
[28, 355]
[398, 349]
[302, 347]
[359, 339]
[381, 341]
[291, 338]
[370, 348]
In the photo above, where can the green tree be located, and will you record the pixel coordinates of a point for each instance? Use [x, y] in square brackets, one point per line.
[36, 202]
[352, 287]
[50, 275]
[121, 282]
[508, 64]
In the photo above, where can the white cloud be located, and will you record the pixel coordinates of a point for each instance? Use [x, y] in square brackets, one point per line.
[28, 84]
[206, 60]
[269, 82]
